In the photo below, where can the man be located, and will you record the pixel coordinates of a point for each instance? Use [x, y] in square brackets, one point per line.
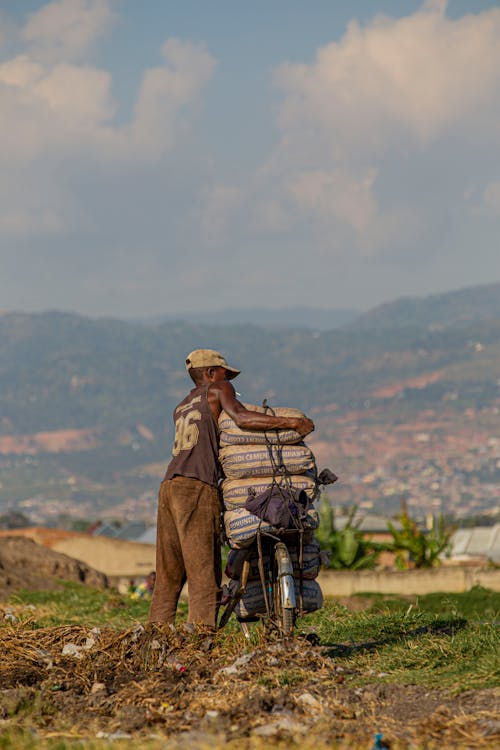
[189, 505]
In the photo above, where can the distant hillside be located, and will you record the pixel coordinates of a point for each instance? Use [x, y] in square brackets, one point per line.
[462, 307]
[61, 371]
[299, 318]
[92, 399]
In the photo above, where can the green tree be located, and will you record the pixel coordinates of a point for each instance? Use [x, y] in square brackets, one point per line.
[347, 547]
[415, 547]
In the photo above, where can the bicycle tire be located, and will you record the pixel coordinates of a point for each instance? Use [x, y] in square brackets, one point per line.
[285, 616]
[287, 621]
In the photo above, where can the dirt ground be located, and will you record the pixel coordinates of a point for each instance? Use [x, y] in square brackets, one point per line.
[194, 687]
[27, 565]
[200, 690]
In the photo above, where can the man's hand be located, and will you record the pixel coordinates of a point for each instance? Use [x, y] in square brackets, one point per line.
[221, 395]
[303, 425]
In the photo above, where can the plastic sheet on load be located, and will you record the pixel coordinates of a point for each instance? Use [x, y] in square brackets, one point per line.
[242, 526]
[235, 491]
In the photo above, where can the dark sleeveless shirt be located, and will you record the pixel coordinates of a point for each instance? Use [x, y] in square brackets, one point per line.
[196, 445]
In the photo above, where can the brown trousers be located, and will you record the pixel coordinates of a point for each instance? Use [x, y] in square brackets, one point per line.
[187, 548]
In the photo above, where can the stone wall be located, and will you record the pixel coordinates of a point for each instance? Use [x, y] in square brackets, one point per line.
[114, 557]
[447, 579]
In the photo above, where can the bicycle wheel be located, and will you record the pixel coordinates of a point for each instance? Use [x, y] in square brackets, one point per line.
[284, 591]
[287, 620]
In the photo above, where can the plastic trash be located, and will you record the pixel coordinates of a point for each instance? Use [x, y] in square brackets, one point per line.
[137, 632]
[71, 649]
[45, 657]
[175, 665]
[236, 666]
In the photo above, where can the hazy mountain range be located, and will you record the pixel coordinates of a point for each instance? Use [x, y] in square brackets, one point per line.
[287, 318]
[452, 308]
[93, 397]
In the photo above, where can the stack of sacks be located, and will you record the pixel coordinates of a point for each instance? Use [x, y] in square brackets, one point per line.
[251, 459]
[310, 561]
[252, 604]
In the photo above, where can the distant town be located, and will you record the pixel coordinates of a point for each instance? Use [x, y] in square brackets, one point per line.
[433, 465]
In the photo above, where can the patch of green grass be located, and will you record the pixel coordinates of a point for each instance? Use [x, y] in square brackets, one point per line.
[290, 677]
[462, 661]
[76, 603]
[428, 642]
[476, 604]
[336, 624]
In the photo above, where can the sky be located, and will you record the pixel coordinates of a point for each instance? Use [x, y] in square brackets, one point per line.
[160, 157]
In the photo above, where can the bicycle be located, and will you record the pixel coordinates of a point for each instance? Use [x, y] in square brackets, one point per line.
[282, 592]
[286, 509]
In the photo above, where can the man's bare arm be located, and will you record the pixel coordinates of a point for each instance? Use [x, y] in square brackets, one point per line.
[224, 393]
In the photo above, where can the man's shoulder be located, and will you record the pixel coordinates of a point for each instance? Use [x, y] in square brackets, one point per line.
[220, 394]
[188, 395]
[221, 386]
[194, 396]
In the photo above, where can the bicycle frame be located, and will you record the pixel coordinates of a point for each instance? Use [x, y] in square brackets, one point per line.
[277, 581]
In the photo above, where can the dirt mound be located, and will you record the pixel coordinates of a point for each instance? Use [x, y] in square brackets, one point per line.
[207, 690]
[26, 564]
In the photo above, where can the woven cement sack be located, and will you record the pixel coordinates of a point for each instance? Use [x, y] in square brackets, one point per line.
[310, 562]
[235, 491]
[252, 602]
[242, 526]
[231, 434]
[240, 462]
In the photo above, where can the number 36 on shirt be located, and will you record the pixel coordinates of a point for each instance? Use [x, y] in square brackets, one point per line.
[186, 432]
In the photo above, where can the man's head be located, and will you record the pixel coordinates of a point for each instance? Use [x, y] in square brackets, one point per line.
[203, 364]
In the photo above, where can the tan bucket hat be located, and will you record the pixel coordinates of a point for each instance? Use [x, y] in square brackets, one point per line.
[209, 358]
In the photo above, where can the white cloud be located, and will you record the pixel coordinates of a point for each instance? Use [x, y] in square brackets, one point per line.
[418, 91]
[66, 30]
[381, 136]
[68, 109]
[164, 94]
[388, 141]
[336, 195]
[415, 76]
[58, 112]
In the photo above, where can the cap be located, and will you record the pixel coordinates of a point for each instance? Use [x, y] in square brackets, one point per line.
[209, 358]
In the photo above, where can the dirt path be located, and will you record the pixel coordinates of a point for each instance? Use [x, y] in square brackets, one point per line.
[199, 688]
